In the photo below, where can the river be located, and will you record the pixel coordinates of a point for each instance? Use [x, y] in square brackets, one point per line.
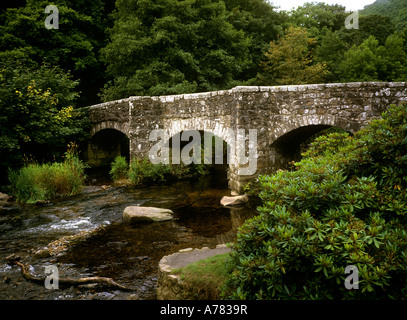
[127, 254]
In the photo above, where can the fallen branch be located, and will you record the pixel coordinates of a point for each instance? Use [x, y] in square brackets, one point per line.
[25, 269]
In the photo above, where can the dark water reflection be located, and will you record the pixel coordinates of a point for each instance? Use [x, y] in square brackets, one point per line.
[128, 254]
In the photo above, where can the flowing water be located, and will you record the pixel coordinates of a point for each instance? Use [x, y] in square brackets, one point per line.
[127, 254]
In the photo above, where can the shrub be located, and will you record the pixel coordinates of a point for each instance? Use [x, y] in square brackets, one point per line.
[144, 172]
[41, 182]
[345, 204]
[119, 168]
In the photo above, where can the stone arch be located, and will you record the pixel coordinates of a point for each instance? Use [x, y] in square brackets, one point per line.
[223, 136]
[105, 145]
[287, 146]
[296, 122]
[215, 127]
[119, 126]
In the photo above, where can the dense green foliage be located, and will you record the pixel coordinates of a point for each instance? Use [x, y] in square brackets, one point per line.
[370, 62]
[119, 168]
[346, 204]
[41, 75]
[395, 9]
[290, 60]
[37, 116]
[363, 54]
[144, 172]
[42, 182]
[316, 16]
[169, 46]
[261, 23]
[74, 47]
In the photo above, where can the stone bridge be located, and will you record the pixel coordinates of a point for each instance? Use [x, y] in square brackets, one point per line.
[284, 116]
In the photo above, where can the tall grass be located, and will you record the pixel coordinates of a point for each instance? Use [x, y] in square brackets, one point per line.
[205, 278]
[41, 182]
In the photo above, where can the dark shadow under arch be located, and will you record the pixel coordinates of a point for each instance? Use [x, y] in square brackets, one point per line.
[289, 146]
[217, 170]
[105, 145]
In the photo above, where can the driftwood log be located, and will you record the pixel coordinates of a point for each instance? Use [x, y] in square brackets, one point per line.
[25, 270]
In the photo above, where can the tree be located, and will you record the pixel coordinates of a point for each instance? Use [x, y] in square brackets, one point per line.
[395, 58]
[37, 114]
[371, 25]
[168, 46]
[333, 45]
[289, 60]
[330, 50]
[395, 9]
[316, 15]
[74, 46]
[360, 62]
[260, 22]
[371, 62]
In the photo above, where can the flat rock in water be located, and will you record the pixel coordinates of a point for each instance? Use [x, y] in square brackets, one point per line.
[4, 200]
[4, 197]
[234, 200]
[136, 214]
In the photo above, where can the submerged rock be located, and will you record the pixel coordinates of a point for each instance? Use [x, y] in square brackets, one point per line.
[5, 201]
[42, 253]
[233, 201]
[136, 214]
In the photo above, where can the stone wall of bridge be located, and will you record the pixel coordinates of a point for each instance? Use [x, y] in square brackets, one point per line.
[284, 116]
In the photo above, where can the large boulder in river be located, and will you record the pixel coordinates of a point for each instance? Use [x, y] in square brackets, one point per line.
[136, 214]
[234, 200]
